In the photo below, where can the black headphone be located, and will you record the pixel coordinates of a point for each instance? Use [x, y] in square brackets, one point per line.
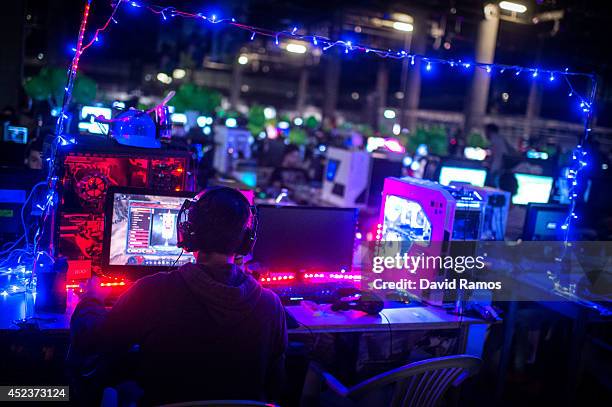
[191, 240]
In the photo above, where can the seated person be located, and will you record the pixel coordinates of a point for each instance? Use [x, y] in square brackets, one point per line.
[33, 154]
[206, 331]
[290, 173]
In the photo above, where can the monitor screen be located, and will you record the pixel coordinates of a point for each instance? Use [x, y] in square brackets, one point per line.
[545, 221]
[95, 111]
[89, 114]
[532, 188]
[16, 134]
[305, 238]
[381, 169]
[474, 176]
[332, 168]
[143, 230]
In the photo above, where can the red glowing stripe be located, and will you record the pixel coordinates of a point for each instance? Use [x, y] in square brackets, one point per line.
[115, 284]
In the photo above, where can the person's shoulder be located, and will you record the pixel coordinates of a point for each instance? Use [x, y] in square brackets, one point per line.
[271, 299]
[155, 282]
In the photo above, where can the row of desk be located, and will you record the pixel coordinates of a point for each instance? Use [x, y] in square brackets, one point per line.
[20, 306]
[471, 331]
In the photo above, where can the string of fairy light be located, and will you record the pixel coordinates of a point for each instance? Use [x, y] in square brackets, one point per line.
[585, 104]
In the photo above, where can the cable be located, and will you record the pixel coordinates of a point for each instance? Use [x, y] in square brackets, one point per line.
[13, 244]
[177, 259]
[25, 229]
[314, 338]
[26, 251]
[390, 335]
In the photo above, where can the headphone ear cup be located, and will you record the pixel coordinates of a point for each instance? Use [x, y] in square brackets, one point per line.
[247, 243]
[184, 229]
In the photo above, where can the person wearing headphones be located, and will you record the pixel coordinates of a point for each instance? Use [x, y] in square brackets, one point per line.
[205, 331]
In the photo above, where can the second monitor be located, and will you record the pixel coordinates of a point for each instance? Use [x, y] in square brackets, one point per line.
[474, 176]
[298, 238]
[532, 189]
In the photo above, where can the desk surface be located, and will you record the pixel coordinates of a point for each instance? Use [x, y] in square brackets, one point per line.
[15, 307]
[398, 319]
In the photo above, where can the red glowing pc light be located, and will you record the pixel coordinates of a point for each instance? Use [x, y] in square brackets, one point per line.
[113, 284]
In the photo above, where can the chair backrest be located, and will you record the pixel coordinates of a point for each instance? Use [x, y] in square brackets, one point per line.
[420, 384]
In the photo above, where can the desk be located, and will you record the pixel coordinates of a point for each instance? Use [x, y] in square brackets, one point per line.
[397, 320]
[352, 323]
[400, 319]
[16, 307]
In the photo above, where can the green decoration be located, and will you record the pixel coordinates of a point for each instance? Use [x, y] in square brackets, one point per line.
[476, 140]
[257, 120]
[49, 85]
[435, 138]
[311, 122]
[297, 136]
[198, 98]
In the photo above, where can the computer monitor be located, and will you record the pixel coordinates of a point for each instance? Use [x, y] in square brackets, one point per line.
[300, 238]
[532, 189]
[140, 231]
[381, 168]
[87, 111]
[89, 123]
[15, 134]
[544, 221]
[474, 176]
[332, 168]
[561, 188]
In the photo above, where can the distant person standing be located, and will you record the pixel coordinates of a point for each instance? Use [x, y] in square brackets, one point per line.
[499, 147]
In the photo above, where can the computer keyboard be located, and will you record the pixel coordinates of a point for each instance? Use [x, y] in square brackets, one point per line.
[320, 293]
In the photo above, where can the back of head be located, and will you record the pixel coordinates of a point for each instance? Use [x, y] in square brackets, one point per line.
[220, 220]
[491, 129]
[291, 156]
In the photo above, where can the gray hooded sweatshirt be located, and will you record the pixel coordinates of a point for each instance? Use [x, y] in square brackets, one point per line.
[202, 334]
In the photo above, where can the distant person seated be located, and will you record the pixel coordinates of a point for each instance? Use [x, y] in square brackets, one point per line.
[525, 167]
[207, 331]
[517, 213]
[33, 154]
[271, 152]
[290, 174]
